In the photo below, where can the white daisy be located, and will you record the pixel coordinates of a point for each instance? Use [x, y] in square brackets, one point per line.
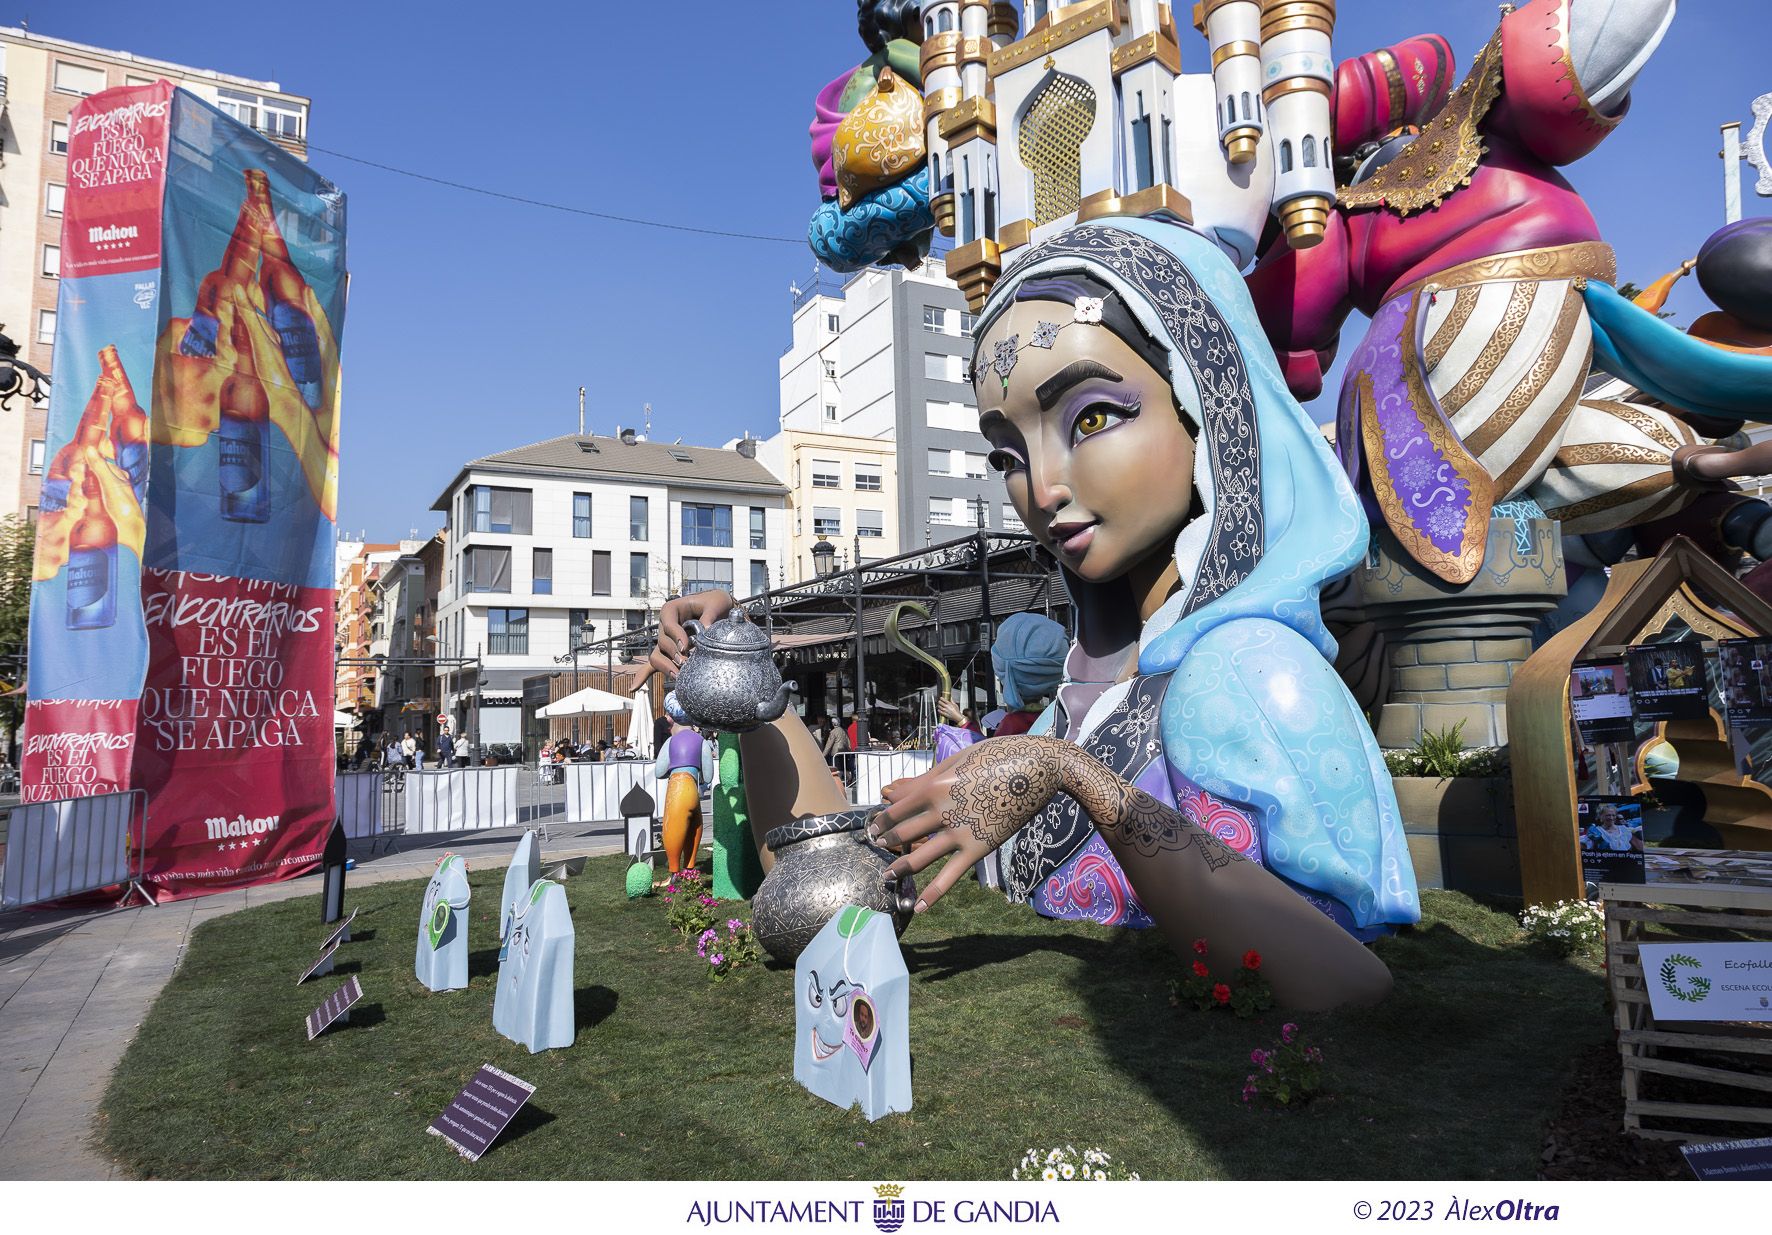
[1049, 1174]
[1067, 1170]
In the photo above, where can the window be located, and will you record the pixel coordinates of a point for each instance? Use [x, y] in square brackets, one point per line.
[634, 618]
[58, 137]
[702, 574]
[708, 526]
[46, 325]
[78, 78]
[500, 510]
[638, 574]
[31, 515]
[833, 323]
[975, 466]
[543, 573]
[935, 320]
[581, 516]
[54, 197]
[830, 411]
[939, 462]
[600, 572]
[486, 569]
[968, 324]
[870, 523]
[37, 456]
[52, 261]
[941, 510]
[267, 115]
[940, 368]
[827, 521]
[868, 477]
[827, 474]
[830, 368]
[1012, 521]
[941, 414]
[759, 578]
[507, 632]
[639, 518]
[759, 529]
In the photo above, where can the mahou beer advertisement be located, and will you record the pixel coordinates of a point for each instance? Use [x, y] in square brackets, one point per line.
[181, 615]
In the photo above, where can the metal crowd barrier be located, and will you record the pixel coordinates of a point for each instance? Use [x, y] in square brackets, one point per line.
[873, 770]
[75, 845]
[594, 790]
[463, 799]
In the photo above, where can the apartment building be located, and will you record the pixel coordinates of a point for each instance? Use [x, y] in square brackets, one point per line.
[589, 534]
[356, 636]
[882, 356]
[41, 80]
[842, 489]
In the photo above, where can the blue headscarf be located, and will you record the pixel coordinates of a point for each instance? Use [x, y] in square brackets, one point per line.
[1278, 520]
[1028, 656]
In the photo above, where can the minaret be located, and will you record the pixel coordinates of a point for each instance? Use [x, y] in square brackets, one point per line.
[941, 92]
[1298, 68]
[1233, 28]
[969, 132]
[1146, 63]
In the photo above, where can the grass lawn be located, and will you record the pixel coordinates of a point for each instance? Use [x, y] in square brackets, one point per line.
[1025, 1033]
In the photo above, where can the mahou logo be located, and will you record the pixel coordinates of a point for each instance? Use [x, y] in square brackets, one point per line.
[223, 827]
[95, 234]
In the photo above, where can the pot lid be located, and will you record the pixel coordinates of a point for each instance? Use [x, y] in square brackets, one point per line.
[734, 634]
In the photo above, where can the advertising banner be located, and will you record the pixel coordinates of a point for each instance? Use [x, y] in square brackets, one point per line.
[182, 611]
[1708, 981]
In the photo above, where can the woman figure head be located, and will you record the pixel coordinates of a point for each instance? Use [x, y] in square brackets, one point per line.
[1138, 436]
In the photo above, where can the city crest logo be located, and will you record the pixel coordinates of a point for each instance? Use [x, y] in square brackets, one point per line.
[888, 1207]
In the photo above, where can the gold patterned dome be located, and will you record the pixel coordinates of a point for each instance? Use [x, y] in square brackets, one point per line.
[880, 141]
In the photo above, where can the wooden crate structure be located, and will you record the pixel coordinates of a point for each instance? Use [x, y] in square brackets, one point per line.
[1687, 888]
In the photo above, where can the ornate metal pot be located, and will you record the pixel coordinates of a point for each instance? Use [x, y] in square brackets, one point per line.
[729, 680]
[821, 864]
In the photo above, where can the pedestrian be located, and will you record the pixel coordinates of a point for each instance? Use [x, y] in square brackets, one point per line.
[445, 748]
[409, 749]
[392, 755]
[661, 733]
[418, 756]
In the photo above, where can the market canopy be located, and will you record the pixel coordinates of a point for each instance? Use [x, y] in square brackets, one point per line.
[588, 702]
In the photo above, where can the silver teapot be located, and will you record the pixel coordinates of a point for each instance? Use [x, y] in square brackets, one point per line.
[729, 680]
[823, 862]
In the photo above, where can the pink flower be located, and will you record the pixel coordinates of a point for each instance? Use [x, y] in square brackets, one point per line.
[717, 959]
[733, 924]
[1287, 1031]
[707, 900]
[1313, 1054]
[1221, 993]
[1200, 970]
[1258, 1056]
[1252, 960]
[1200, 946]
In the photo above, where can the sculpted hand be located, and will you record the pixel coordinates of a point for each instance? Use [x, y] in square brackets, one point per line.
[969, 804]
[950, 711]
[673, 641]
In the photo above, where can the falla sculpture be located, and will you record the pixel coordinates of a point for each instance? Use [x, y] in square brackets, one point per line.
[1201, 754]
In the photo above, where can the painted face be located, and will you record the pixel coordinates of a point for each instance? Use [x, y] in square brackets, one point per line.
[830, 1013]
[1092, 450]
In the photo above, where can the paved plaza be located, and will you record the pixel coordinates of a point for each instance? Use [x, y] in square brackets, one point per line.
[74, 985]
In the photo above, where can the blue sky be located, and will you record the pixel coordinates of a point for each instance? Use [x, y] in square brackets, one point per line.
[473, 321]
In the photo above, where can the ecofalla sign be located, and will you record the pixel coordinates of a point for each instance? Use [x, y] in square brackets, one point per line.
[1709, 981]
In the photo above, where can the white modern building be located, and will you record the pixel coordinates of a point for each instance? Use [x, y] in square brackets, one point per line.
[882, 355]
[578, 530]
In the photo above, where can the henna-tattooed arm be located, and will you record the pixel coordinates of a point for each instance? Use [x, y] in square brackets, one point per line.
[1130, 816]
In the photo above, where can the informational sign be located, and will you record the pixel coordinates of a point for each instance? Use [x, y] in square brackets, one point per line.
[1708, 981]
[337, 1006]
[1667, 681]
[1745, 666]
[1731, 1159]
[340, 933]
[484, 1108]
[182, 605]
[1599, 700]
[1610, 830]
[321, 966]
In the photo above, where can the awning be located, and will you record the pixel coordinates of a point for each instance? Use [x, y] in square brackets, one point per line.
[344, 720]
[588, 702]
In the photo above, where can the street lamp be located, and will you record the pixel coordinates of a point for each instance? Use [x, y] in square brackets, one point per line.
[824, 558]
[19, 378]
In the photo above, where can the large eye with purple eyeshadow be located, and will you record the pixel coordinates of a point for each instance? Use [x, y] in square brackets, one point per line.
[1100, 416]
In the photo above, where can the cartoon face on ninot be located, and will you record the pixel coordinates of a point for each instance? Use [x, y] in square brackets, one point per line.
[1083, 426]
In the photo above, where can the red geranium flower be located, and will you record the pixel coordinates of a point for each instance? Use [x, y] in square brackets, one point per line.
[1252, 960]
[1221, 993]
[1199, 969]
[1200, 946]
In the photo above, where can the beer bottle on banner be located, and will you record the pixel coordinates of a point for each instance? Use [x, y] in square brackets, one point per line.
[283, 287]
[92, 559]
[244, 437]
[89, 434]
[129, 424]
[239, 265]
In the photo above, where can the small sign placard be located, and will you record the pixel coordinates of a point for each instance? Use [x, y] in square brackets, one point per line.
[484, 1108]
[321, 966]
[336, 1005]
[340, 933]
[1731, 1159]
[1708, 981]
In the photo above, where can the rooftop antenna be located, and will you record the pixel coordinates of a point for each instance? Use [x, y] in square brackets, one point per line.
[581, 411]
